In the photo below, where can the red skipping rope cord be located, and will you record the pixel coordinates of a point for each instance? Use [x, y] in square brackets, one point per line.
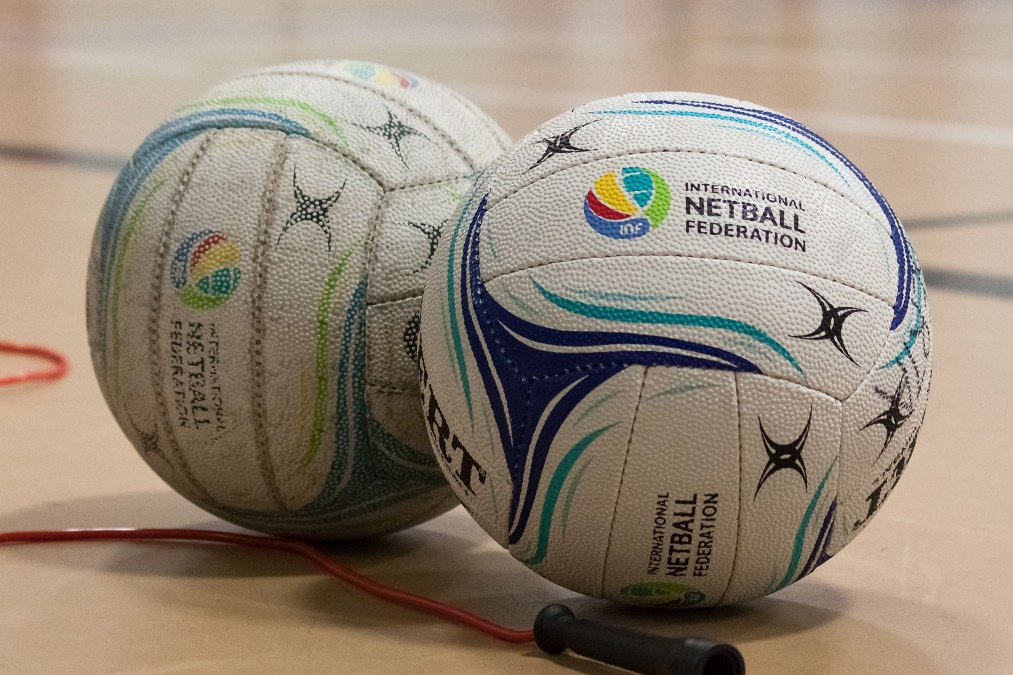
[336, 570]
[55, 372]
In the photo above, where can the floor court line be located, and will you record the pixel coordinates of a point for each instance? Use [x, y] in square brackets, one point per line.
[821, 121]
[957, 220]
[883, 126]
[80, 160]
[970, 283]
[966, 282]
[100, 162]
[962, 282]
[103, 62]
[870, 62]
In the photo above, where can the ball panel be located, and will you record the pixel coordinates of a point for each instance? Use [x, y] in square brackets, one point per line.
[406, 237]
[789, 438]
[761, 318]
[391, 350]
[562, 504]
[119, 273]
[201, 354]
[310, 272]
[710, 126]
[382, 139]
[881, 421]
[125, 249]
[463, 438]
[823, 235]
[672, 542]
[464, 126]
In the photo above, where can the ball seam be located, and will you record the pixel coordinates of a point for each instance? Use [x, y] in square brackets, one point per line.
[403, 105]
[690, 257]
[268, 208]
[622, 478]
[738, 493]
[155, 315]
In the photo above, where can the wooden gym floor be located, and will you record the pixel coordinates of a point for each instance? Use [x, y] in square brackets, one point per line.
[918, 94]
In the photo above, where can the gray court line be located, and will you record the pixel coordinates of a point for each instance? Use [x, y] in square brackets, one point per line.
[100, 162]
[963, 282]
[81, 160]
[958, 219]
[970, 282]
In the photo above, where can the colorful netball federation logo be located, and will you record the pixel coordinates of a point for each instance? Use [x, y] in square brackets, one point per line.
[381, 75]
[627, 206]
[204, 269]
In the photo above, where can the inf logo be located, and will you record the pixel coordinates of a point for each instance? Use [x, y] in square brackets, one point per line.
[383, 76]
[627, 204]
[205, 269]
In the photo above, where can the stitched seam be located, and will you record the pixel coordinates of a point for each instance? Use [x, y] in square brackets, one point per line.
[738, 520]
[688, 256]
[330, 146]
[502, 140]
[483, 312]
[381, 303]
[840, 468]
[732, 260]
[622, 478]
[842, 500]
[387, 97]
[155, 316]
[370, 262]
[383, 388]
[607, 364]
[662, 150]
[268, 207]
[352, 159]
[427, 183]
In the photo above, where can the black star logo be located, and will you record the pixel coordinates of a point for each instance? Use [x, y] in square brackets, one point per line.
[560, 144]
[316, 211]
[149, 442]
[784, 456]
[411, 336]
[432, 233]
[394, 131]
[832, 323]
[892, 418]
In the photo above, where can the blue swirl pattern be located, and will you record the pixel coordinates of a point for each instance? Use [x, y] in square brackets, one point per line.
[532, 372]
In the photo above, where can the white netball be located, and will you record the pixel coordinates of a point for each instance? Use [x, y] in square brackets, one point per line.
[254, 292]
[675, 350]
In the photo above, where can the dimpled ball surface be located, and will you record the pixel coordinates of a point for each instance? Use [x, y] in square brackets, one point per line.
[675, 350]
[254, 290]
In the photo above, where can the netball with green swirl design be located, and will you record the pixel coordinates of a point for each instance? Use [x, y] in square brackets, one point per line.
[252, 276]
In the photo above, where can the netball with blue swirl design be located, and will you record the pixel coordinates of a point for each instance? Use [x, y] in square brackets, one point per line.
[697, 412]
